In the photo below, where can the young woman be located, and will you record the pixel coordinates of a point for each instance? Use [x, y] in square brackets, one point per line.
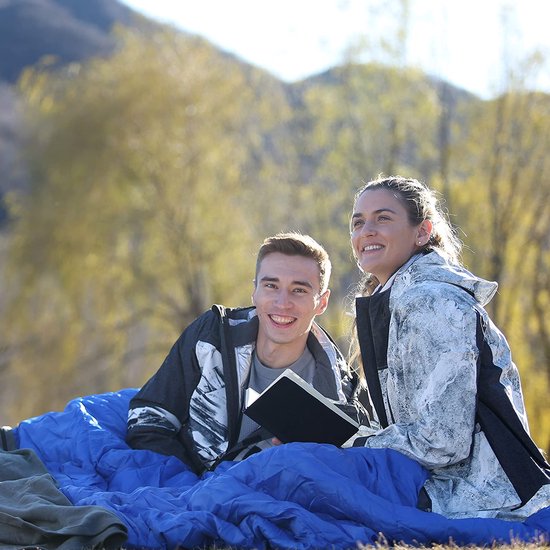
[440, 376]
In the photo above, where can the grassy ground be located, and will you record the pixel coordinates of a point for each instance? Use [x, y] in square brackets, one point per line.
[517, 546]
[383, 546]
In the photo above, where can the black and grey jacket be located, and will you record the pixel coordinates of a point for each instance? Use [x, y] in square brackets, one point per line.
[446, 392]
[192, 407]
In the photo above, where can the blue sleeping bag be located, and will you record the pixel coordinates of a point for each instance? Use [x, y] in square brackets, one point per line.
[298, 495]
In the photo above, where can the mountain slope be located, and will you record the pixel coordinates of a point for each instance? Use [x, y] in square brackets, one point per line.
[65, 30]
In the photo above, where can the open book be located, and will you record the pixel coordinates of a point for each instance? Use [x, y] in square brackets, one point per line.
[293, 410]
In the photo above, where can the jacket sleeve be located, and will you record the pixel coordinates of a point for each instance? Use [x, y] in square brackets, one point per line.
[353, 407]
[159, 413]
[431, 386]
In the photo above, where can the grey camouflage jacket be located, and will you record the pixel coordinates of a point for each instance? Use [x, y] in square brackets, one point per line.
[447, 394]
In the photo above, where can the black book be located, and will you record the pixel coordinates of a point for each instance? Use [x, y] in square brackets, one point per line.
[293, 410]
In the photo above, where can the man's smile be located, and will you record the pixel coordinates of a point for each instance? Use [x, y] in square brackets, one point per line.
[282, 320]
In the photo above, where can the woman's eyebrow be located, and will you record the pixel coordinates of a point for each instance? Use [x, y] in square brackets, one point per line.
[380, 210]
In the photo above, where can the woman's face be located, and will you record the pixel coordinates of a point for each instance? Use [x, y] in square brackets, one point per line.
[382, 237]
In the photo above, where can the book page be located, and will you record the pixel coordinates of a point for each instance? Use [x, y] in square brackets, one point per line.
[250, 396]
[330, 403]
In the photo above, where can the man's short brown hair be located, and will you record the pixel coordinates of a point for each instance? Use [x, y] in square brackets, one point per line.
[296, 244]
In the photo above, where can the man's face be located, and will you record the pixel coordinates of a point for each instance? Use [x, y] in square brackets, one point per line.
[287, 299]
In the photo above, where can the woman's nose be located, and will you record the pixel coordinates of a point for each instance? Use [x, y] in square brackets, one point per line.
[367, 229]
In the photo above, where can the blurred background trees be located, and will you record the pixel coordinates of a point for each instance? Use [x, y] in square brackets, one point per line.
[153, 174]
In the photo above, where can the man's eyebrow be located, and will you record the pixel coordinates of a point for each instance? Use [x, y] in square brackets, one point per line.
[267, 279]
[303, 283]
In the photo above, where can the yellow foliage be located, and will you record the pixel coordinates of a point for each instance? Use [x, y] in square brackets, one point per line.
[156, 173]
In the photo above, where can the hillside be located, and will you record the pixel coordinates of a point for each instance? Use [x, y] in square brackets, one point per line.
[58, 32]
[65, 30]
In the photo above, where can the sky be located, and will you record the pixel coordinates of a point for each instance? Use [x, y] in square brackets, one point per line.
[461, 41]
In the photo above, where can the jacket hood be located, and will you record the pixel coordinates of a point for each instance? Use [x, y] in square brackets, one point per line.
[432, 267]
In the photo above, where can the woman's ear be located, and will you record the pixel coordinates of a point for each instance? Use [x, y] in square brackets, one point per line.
[424, 232]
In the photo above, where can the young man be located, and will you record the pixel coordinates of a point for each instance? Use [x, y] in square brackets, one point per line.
[192, 407]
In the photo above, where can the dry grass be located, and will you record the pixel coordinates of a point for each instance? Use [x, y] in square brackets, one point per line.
[383, 546]
[542, 543]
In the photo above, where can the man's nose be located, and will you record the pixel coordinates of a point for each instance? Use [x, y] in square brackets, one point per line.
[284, 299]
